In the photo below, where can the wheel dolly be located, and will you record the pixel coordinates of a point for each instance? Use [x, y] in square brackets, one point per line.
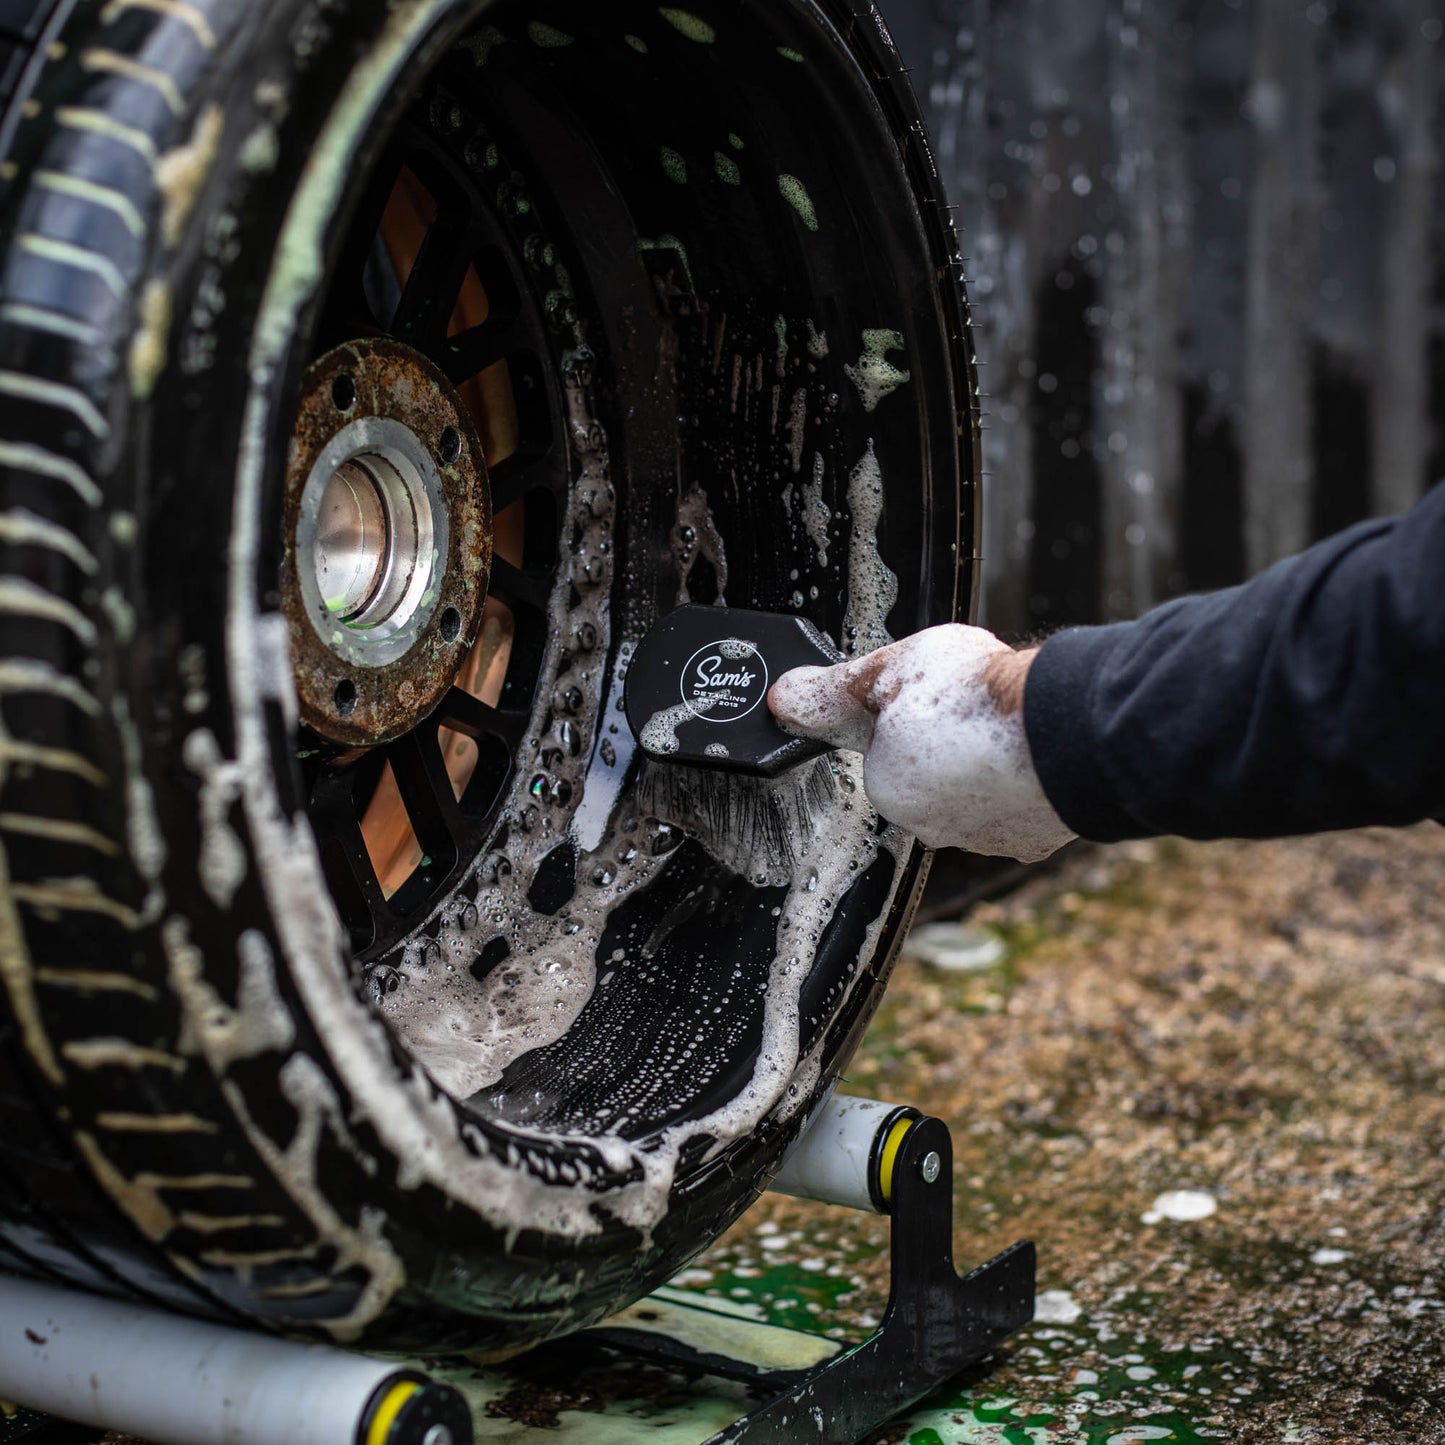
[119, 1366]
[891, 1160]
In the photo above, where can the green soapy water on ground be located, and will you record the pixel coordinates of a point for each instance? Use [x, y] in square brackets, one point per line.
[727, 169]
[637, 43]
[735, 141]
[792, 55]
[1091, 1383]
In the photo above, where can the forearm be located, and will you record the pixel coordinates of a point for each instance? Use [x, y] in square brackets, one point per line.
[1308, 699]
[1006, 675]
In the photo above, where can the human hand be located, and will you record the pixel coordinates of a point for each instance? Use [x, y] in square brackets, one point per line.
[939, 720]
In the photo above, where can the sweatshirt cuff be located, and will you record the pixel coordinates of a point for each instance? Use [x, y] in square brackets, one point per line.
[1060, 719]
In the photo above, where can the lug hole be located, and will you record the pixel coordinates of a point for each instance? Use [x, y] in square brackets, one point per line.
[343, 392]
[450, 624]
[449, 444]
[345, 697]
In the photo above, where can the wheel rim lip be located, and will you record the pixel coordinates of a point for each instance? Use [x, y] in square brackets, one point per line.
[403, 408]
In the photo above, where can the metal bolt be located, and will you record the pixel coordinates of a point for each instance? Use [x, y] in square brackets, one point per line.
[931, 1167]
[437, 1435]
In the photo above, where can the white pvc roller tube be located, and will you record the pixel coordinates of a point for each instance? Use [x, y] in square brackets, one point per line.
[173, 1380]
[844, 1156]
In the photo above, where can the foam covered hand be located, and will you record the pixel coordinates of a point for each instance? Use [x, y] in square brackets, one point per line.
[939, 720]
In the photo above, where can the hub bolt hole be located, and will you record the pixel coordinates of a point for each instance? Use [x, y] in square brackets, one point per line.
[343, 392]
[345, 697]
[450, 624]
[449, 444]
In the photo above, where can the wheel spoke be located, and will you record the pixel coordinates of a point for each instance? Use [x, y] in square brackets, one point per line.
[466, 714]
[426, 790]
[522, 472]
[345, 859]
[348, 313]
[522, 586]
[431, 290]
[482, 346]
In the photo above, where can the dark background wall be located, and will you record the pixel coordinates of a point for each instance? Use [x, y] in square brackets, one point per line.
[1206, 245]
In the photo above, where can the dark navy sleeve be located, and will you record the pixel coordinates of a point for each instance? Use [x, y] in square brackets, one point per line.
[1310, 698]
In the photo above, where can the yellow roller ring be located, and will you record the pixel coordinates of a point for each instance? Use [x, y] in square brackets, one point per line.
[388, 1409]
[887, 1159]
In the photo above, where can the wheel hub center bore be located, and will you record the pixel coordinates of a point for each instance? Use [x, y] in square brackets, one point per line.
[388, 533]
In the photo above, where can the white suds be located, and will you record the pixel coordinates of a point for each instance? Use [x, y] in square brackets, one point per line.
[872, 587]
[1056, 1307]
[816, 516]
[875, 376]
[797, 427]
[659, 733]
[1184, 1205]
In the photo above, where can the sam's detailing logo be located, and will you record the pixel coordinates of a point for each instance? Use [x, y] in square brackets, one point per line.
[724, 681]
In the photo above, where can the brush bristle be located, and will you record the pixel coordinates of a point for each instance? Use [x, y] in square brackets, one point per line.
[753, 824]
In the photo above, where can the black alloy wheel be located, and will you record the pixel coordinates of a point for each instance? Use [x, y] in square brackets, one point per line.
[371, 379]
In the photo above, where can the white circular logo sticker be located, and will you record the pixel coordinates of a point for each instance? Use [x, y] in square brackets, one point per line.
[724, 681]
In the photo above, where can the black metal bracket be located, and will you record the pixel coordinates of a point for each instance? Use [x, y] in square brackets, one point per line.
[935, 1324]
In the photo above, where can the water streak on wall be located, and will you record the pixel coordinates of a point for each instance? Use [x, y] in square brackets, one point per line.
[1207, 258]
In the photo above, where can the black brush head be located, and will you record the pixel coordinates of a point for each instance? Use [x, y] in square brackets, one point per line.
[697, 688]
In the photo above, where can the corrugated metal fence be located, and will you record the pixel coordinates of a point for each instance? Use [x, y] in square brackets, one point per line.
[1207, 262]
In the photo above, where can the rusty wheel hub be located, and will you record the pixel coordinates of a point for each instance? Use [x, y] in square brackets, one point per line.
[389, 541]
